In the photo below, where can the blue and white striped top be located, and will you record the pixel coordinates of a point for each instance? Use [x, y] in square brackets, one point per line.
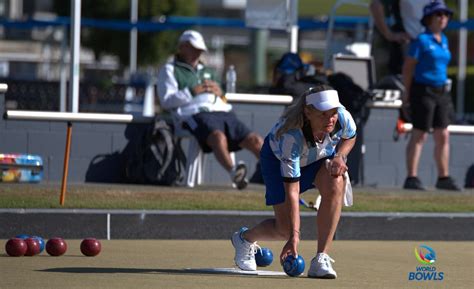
[293, 151]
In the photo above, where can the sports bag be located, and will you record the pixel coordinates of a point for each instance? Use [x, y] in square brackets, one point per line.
[158, 158]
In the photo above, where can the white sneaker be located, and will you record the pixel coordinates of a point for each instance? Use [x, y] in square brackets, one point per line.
[321, 267]
[244, 251]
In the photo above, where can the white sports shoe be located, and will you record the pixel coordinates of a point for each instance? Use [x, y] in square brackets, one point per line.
[244, 251]
[321, 267]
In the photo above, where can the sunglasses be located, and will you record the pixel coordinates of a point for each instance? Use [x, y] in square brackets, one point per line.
[441, 13]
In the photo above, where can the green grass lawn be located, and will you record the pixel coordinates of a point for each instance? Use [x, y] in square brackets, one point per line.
[108, 196]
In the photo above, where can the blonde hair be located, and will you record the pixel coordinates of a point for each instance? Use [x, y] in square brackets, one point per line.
[294, 116]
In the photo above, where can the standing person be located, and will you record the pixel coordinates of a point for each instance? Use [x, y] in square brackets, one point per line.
[395, 34]
[425, 77]
[190, 91]
[307, 147]
[411, 12]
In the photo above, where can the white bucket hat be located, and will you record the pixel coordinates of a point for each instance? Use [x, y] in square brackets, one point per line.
[195, 38]
[324, 100]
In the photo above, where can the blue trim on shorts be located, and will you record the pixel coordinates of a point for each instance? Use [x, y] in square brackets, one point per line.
[274, 182]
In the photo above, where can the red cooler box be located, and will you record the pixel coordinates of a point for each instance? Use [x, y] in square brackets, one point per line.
[24, 168]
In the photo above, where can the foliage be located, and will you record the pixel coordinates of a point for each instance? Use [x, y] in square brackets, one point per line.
[312, 8]
[315, 8]
[152, 47]
[453, 4]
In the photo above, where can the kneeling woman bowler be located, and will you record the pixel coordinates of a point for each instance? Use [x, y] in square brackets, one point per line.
[307, 147]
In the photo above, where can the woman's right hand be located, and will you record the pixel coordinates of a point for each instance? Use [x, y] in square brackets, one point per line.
[290, 248]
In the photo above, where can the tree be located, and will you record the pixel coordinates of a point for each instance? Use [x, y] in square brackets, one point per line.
[153, 47]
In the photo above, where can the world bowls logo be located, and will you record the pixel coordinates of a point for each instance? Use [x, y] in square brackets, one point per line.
[425, 255]
[427, 271]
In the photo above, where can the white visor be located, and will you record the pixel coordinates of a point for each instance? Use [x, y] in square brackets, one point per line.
[324, 100]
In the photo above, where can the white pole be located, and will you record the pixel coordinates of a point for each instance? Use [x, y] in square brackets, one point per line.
[293, 25]
[294, 39]
[462, 59]
[63, 73]
[329, 32]
[75, 53]
[133, 36]
[108, 227]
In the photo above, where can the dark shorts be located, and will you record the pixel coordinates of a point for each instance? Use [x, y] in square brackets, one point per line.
[431, 107]
[227, 122]
[275, 189]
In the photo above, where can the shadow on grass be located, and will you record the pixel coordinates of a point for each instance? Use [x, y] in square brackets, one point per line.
[204, 271]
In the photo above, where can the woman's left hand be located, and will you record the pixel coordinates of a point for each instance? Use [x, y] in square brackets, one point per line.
[337, 167]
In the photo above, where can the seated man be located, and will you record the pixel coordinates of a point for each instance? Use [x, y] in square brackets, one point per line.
[189, 90]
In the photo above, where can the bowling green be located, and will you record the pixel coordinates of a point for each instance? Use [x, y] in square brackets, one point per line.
[163, 264]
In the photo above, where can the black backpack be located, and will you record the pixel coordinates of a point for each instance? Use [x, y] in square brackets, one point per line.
[351, 95]
[296, 84]
[157, 157]
[295, 77]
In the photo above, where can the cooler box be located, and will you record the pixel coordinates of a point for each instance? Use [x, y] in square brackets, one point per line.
[21, 168]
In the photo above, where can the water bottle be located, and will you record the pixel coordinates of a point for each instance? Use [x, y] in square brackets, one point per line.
[149, 101]
[231, 79]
